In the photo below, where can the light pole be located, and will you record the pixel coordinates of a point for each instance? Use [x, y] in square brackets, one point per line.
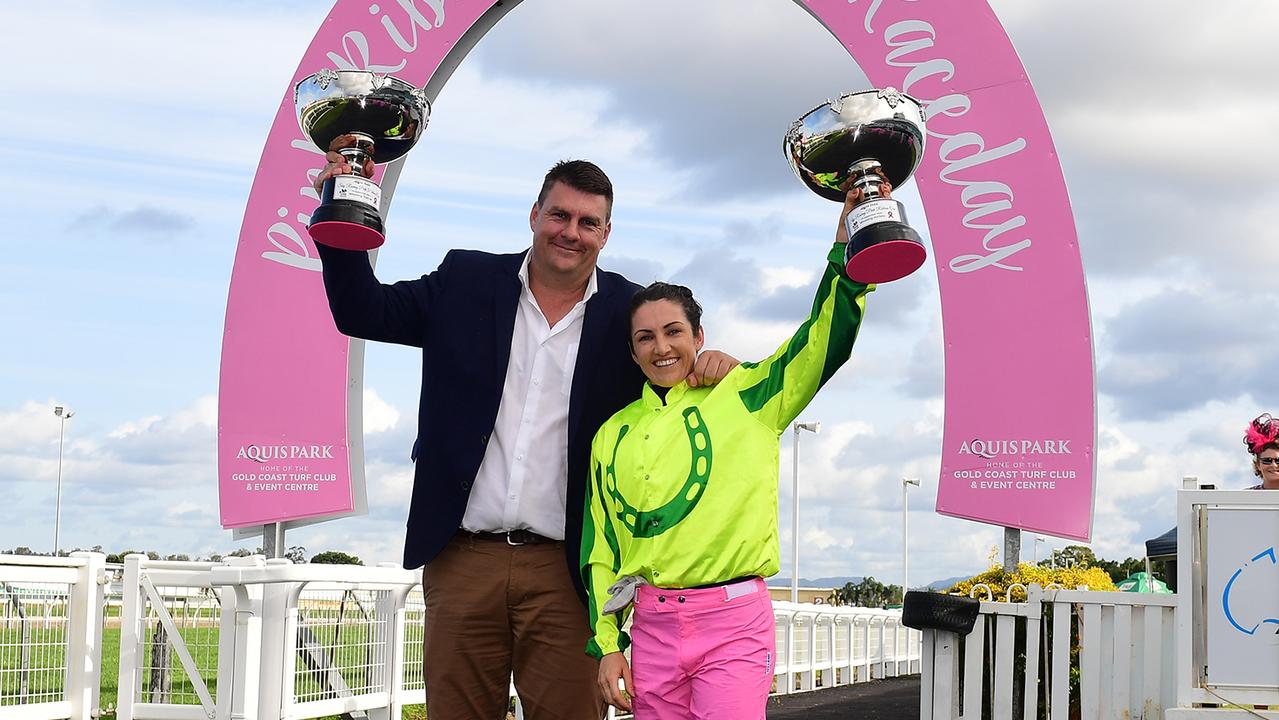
[812, 427]
[1035, 554]
[64, 414]
[905, 536]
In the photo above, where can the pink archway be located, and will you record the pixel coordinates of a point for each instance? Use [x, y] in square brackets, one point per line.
[1020, 426]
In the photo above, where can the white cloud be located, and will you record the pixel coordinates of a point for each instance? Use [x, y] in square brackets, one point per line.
[379, 415]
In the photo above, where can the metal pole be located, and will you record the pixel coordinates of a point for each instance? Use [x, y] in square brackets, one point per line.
[905, 547]
[813, 427]
[906, 534]
[57, 513]
[64, 414]
[1012, 549]
[794, 536]
[273, 540]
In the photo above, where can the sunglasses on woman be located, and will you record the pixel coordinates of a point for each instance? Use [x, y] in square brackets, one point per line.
[1268, 461]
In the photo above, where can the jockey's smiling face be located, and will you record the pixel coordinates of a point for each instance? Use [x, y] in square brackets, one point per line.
[663, 342]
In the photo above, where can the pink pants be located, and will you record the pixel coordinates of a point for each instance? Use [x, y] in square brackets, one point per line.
[703, 654]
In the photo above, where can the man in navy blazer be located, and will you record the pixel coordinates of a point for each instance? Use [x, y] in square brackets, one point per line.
[524, 356]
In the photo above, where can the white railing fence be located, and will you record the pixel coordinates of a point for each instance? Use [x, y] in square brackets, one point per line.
[256, 639]
[1061, 654]
[51, 635]
[823, 646]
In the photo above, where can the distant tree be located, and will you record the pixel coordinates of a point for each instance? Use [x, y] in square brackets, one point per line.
[867, 593]
[179, 557]
[23, 550]
[297, 554]
[1121, 570]
[335, 557]
[215, 557]
[1079, 556]
[240, 552]
[120, 556]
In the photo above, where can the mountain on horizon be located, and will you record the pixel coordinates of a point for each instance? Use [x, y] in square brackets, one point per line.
[943, 584]
[841, 580]
[821, 582]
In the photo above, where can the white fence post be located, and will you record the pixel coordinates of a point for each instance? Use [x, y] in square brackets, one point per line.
[84, 635]
[128, 679]
[393, 604]
[808, 678]
[275, 686]
[226, 649]
[243, 664]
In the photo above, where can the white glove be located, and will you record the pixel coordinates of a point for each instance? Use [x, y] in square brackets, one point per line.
[622, 593]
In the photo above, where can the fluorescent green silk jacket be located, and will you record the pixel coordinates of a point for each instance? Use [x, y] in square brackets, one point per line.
[684, 492]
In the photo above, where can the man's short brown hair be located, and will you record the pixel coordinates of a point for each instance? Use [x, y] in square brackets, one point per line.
[581, 175]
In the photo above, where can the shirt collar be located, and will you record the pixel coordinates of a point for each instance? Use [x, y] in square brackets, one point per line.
[591, 285]
[673, 395]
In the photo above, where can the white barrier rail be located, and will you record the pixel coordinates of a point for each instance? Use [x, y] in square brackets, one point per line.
[823, 646]
[1019, 658]
[257, 639]
[51, 636]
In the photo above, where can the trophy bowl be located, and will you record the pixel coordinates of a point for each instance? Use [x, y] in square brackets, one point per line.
[885, 125]
[860, 140]
[366, 117]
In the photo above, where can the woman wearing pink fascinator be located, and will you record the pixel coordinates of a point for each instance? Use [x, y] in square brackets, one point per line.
[1262, 439]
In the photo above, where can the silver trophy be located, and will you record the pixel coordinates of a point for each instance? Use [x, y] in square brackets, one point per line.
[861, 140]
[364, 116]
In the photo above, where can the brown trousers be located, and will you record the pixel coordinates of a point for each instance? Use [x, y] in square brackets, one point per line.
[493, 609]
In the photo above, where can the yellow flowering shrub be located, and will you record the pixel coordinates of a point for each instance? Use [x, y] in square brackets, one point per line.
[998, 580]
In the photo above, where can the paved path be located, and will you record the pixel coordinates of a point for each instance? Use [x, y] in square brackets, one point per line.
[889, 699]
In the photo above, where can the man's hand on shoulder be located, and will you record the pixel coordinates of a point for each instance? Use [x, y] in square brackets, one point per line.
[711, 367]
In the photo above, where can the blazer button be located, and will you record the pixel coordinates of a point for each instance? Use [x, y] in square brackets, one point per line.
[466, 485]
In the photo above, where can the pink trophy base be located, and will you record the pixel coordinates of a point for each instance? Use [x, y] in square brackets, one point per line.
[886, 261]
[346, 235]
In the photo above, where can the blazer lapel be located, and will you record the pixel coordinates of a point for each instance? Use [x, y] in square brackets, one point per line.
[594, 333]
[506, 303]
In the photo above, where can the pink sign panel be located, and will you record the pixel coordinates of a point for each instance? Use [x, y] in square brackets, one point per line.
[289, 401]
[1020, 419]
[1018, 442]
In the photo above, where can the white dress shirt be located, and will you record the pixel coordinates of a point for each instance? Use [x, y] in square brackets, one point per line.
[522, 479]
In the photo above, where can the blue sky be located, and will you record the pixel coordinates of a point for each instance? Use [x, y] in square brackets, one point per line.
[125, 195]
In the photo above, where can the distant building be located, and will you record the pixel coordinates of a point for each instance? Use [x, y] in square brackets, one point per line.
[806, 594]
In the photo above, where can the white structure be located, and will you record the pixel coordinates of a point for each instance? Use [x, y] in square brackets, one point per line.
[1211, 652]
[1228, 627]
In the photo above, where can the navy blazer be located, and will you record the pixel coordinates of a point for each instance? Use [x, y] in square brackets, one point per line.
[462, 316]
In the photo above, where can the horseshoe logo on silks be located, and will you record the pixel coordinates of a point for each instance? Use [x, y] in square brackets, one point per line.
[651, 523]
